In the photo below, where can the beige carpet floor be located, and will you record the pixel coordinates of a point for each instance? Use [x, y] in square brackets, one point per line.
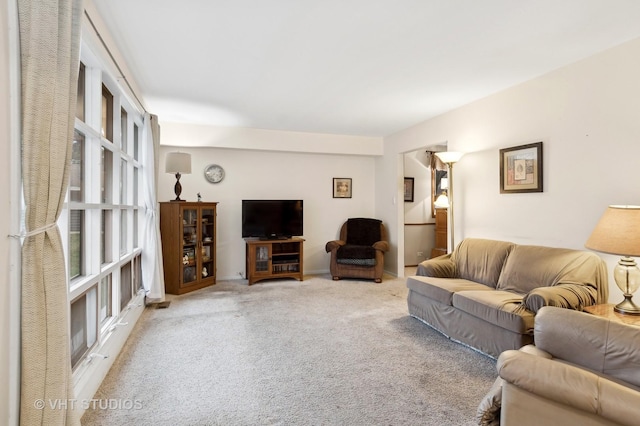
[284, 352]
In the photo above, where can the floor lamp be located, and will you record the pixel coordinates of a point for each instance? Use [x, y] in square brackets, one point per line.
[450, 158]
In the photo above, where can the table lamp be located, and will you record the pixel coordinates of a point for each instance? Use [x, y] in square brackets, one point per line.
[618, 232]
[178, 163]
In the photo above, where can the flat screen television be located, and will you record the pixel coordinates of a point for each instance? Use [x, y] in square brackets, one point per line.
[271, 219]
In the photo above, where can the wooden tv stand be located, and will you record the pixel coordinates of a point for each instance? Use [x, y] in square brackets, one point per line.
[274, 259]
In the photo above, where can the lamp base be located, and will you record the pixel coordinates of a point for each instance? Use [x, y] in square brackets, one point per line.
[627, 306]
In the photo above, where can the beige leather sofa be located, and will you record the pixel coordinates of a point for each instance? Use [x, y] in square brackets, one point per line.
[584, 370]
[486, 293]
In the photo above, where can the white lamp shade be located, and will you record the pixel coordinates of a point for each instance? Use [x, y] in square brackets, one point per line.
[449, 156]
[442, 202]
[178, 162]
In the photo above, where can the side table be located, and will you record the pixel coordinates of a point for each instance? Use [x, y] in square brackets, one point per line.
[606, 311]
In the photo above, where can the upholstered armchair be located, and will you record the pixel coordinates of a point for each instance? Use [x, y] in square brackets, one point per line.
[359, 253]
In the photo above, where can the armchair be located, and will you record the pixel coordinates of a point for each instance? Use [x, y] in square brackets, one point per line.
[359, 253]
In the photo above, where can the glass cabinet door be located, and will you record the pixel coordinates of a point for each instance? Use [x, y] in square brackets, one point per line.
[207, 240]
[262, 259]
[189, 245]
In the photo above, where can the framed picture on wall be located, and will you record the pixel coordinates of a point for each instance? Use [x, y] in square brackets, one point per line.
[341, 187]
[408, 189]
[521, 169]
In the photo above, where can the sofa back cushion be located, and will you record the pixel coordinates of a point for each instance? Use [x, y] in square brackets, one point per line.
[530, 267]
[481, 260]
[597, 343]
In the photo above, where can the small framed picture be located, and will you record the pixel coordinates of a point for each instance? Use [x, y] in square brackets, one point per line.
[341, 187]
[408, 189]
[521, 169]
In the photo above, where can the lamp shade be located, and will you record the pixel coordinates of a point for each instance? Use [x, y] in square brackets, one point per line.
[449, 156]
[178, 162]
[617, 232]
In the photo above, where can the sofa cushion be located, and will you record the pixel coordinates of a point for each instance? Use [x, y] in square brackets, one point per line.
[501, 308]
[481, 260]
[442, 289]
[530, 267]
[597, 343]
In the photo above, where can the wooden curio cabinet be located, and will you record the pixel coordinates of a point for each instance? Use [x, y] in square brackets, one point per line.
[188, 245]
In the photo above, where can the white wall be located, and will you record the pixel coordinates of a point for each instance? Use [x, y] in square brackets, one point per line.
[253, 174]
[586, 114]
[419, 230]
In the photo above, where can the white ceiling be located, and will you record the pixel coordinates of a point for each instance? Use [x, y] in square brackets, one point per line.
[352, 67]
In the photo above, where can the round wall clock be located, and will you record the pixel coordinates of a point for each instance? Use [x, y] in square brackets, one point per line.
[214, 173]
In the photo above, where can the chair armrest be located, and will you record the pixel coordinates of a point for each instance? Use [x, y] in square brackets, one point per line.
[570, 385]
[439, 267]
[381, 245]
[564, 295]
[334, 245]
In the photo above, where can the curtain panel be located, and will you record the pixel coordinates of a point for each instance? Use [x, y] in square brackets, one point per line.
[49, 50]
[152, 269]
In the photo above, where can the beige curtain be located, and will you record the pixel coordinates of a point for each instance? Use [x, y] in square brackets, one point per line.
[49, 49]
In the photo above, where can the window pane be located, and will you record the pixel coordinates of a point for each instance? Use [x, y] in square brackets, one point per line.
[105, 299]
[135, 186]
[76, 179]
[106, 176]
[123, 232]
[123, 129]
[106, 227]
[107, 114]
[123, 181]
[76, 243]
[80, 96]
[83, 325]
[135, 229]
[125, 285]
[136, 147]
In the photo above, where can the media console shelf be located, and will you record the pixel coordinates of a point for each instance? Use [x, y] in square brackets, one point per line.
[274, 259]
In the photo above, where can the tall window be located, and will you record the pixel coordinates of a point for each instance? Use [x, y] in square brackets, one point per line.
[101, 209]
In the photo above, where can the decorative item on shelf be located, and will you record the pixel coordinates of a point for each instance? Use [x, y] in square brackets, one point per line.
[205, 273]
[199, 198]
[450, 158]
[185, 259]
[178, 163]
[618, 232]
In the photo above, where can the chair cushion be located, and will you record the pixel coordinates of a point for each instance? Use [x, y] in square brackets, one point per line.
[352, 251]
[363, 231]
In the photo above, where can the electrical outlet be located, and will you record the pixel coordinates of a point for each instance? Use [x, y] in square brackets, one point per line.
[420, 254]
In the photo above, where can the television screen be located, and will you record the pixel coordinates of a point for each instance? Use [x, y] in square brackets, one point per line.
[271, 218]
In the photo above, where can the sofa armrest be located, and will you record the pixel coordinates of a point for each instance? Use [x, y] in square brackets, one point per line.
[439, 267]
[381, 245]
[334, 245]
[565, 295]
[570, 385]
